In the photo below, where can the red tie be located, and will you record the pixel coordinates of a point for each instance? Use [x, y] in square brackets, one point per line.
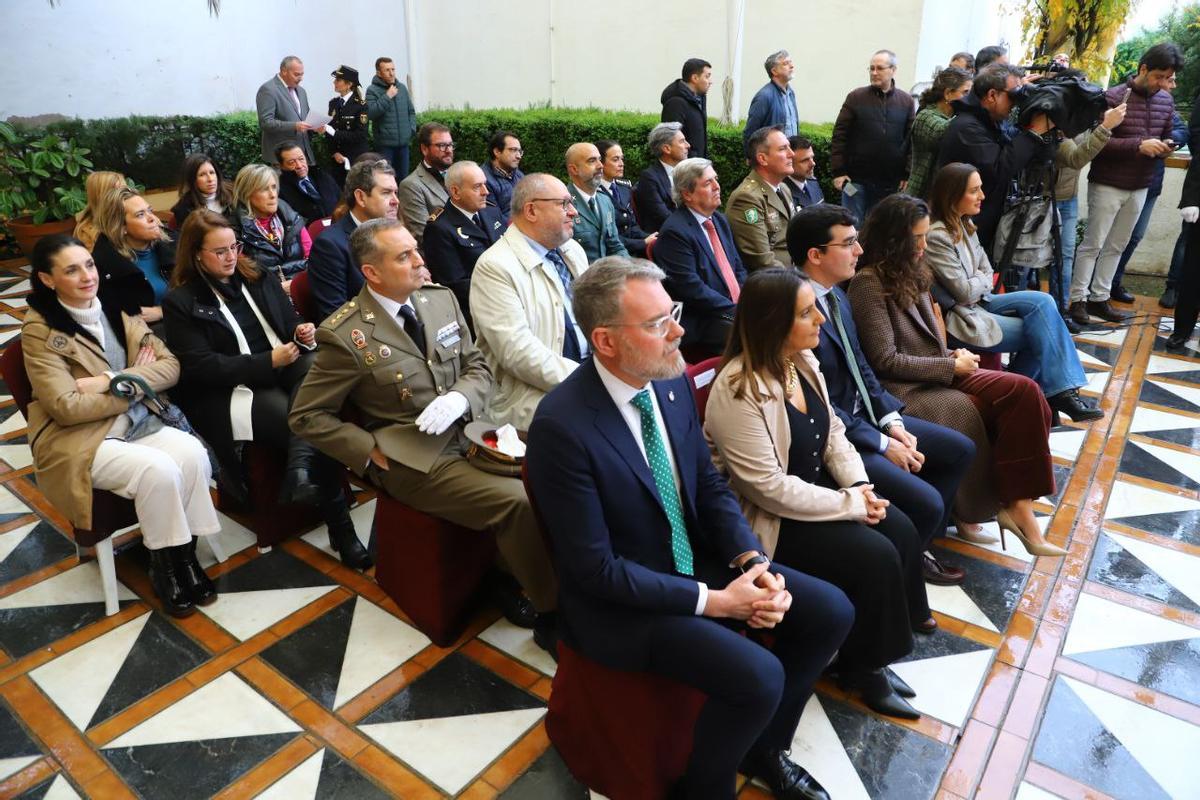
[722, 261]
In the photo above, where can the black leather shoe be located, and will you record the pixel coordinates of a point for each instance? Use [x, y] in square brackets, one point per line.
[1176, 344]
[1169, 298]
[1072, 326]
[300, 483]
[507, 595]
[939, 574]
[342, 536]
[1074, 406]
[191, 575]
[545, 633]
[786, 779]
[1106, 312]
[1079, 313]
[1121, 294]
[902, 688]
[167, 586]
[877, 693]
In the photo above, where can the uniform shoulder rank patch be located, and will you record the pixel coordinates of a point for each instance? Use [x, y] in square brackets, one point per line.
[437, 212]
[752, 215]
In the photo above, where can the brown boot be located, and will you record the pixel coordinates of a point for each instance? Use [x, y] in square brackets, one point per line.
[1106, 312]
[1078, 313]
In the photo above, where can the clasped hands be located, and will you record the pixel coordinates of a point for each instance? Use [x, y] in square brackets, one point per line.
[902, 449]
[98, 384]
[756, 597]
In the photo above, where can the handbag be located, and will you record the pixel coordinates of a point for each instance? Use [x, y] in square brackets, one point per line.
[127, 385]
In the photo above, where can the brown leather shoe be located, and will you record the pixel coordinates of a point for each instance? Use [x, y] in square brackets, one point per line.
[1106, 312]
[940, 574]
[1078, 313]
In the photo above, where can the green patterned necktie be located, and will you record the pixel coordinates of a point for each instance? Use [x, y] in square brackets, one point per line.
[836, 312]
[664, 479]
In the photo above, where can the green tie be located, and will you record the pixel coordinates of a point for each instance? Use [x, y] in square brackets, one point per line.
[835, 309]
[664, 479]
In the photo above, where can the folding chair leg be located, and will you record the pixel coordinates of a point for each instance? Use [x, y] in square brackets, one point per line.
[215, 546]
[108, 574]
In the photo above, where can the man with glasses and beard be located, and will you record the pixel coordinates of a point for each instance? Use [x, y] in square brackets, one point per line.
[521, 293]
[424, 190]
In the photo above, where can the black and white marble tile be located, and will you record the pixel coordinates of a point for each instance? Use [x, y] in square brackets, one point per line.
[56, 787]
[1153, 511]
[341, 653]
[1118, 746]
[946, 672]
[45, 612]
[1175, 368]
[202, 743]
[324, 775]
[1161, 464]
[263, 591]
[112, 672]
[17, 747]
[1166, 426]
[987, 596]
[547, 777]
[1171, 395]
[453, 721]
[1147, 570]
[518, 643]
[31, 547]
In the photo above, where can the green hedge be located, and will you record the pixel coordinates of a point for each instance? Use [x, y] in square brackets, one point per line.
[150, 149]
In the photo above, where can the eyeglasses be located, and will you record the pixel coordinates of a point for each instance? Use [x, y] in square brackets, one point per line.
[658, 327]
[562, 201]
[442, 145]
[874, 68]
[516, 150]
[853, 240]
[222, 252]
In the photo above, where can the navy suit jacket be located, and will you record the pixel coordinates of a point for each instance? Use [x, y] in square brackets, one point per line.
[452, 245]
[652, 197]
[683, 252]
[799, 201]
[627, 225]
[832, 356]
[333, 277]
[609, 534]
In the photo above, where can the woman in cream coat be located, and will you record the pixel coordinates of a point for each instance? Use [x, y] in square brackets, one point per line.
[803, 487]
[85, 437]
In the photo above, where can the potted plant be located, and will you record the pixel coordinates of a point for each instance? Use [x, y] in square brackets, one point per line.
[41, 184]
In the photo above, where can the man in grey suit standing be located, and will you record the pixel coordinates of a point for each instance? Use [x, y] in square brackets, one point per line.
[282, 106]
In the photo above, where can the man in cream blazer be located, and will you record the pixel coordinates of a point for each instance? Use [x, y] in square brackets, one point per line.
[521, 300]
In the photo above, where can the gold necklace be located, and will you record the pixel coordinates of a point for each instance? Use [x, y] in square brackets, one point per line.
[792, 381]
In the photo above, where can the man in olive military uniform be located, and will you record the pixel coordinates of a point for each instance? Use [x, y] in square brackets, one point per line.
[461, 231]
[349, 124]
[596, 225]
[760, 207]
[400, 354]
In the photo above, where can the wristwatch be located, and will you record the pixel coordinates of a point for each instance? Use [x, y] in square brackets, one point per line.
[750, 562]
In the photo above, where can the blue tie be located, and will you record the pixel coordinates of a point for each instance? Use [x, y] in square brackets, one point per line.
[570, 340]
[307, 187]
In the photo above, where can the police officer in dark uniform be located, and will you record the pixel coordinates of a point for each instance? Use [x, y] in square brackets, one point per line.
[349, 124]
[620, 190]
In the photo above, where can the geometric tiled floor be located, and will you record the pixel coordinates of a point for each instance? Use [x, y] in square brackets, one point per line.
[1048, 677]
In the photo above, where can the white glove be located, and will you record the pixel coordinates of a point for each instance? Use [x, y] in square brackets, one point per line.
[441, 413]
[1189, 213]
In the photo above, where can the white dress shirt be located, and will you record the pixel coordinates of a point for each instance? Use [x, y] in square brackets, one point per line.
[622, 395]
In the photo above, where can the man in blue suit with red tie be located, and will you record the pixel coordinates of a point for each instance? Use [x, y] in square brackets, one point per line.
[696, 249]
[658, 569]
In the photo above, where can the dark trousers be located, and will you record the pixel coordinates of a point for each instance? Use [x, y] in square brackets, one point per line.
[755, 695]
[397, 156]
[1018, 424]
[927, 497]
[269, 412]
[879, 569]
[1187, 306]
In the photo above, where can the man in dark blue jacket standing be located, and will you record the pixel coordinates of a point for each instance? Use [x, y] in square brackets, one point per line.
[775, 103]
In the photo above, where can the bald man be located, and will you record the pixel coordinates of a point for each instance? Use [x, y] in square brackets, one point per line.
[596, 226]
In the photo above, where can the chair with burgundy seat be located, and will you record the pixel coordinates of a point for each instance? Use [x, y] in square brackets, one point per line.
[301, 294]
[626, 735]
[701, 377]
[315, 227]
[269, 520]
[431, 568]
[110, 512]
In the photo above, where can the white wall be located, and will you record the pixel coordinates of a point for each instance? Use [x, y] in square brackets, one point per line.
[112, 58]
[951, 26]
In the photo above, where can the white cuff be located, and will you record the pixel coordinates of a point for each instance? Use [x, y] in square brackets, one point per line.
[702, 599]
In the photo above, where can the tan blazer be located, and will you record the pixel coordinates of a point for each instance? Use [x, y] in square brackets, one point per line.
[66, 427]
[749, 440]
[963, 270]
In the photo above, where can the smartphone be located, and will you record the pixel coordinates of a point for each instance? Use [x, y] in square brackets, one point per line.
[1128, 92]
[849, 189]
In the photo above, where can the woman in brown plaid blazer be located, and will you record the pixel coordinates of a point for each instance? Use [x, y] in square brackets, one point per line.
[903, 338]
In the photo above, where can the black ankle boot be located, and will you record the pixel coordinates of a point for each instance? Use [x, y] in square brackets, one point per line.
[342, 537]
[877, 693]
[299, 476]
[191, 575]
[166, 582]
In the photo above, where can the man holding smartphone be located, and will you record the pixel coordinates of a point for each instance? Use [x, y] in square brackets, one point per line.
[1120, 177]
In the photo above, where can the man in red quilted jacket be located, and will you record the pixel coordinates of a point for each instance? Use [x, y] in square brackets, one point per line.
[1119, 178]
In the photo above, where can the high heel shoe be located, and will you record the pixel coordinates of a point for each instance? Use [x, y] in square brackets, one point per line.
[1007, 523]
[977, 536]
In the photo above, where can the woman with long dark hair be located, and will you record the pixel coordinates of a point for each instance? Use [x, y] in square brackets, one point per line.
[933, 118]
[1025, 323]
[901, 334]
[85, 437]
[201, 185]
[244, 351]
[803, 487]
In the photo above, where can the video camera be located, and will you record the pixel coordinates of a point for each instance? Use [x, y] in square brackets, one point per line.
[1072, 103]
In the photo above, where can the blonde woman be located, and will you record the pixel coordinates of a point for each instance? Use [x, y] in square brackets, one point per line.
[97, 185]
[133, 254]
[270, 231]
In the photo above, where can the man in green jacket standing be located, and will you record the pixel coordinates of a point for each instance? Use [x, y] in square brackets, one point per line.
[393, 118]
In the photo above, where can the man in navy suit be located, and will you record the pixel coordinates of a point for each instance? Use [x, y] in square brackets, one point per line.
[803, 182]
[461, 231]
[333, 277]
[658, 569]
[695, 248]
[921, 480]
[652, 197]
[307, 189]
